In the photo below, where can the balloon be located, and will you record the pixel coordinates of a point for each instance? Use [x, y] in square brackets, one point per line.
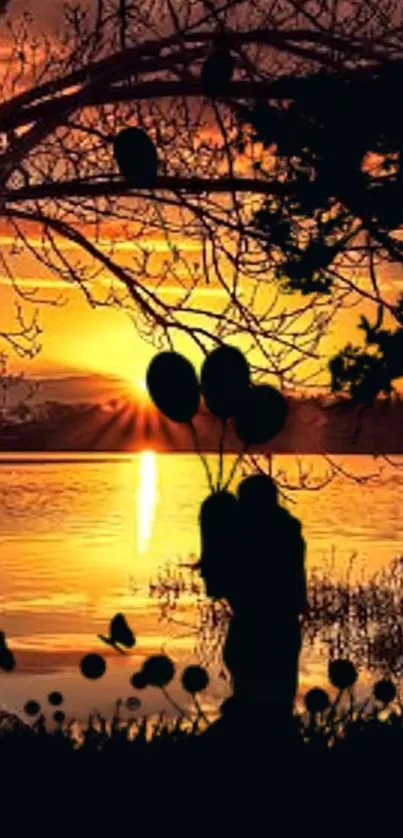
[225, 381]
[136, 156]
[217, 71]
[173, 386]
[261, 416]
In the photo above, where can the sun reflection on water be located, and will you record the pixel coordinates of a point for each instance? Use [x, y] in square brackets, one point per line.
[146, 499]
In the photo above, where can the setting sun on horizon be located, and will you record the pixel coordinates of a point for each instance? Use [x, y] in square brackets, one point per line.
[139, 387]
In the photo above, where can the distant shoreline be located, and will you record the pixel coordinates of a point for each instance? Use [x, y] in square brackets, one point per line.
[104, 457]
[36, 458]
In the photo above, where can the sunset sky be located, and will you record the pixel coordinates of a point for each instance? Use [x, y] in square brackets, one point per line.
[85, 529]
[78, 339]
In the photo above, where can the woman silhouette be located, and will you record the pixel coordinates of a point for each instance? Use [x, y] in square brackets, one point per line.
[219, 528]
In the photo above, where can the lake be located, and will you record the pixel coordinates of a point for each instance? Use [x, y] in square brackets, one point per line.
[82, 537]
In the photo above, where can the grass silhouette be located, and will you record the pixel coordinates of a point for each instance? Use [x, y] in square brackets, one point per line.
[355, 616]
[335, 722]
[342, 751]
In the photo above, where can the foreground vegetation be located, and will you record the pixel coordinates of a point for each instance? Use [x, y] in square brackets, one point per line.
[327, 721]
[355, 616]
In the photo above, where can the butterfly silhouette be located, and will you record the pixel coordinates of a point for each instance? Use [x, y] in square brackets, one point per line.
[120, 634]
[7, 659]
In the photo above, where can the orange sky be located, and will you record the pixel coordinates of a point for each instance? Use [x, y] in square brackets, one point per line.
[80, 339]
[77, 338]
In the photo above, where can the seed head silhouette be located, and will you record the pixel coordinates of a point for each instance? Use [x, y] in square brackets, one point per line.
[120, 634]
[138, 680]
[55, 698]
[32, 708]
[133, 703]
[195, 679]
[342, 674]
[93, 666]
[158, 670]
[384, 691]
[316, 700]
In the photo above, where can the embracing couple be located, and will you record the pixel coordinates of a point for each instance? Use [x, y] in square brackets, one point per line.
[252, 555]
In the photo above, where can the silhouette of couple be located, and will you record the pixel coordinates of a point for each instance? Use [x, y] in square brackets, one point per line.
[252, 555]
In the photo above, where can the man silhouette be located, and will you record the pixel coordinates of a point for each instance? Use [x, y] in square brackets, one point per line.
[267, 597]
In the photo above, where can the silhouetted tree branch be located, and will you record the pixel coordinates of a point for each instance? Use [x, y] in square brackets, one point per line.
[247, 173]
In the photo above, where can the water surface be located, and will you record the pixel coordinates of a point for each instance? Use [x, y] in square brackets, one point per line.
[81, 537]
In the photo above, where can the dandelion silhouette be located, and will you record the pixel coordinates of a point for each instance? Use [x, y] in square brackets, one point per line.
[120, 634]
[55, 698]
[59, 717]
[384, 691]
[138, 681]
[158, 670]
[136, 156]
[342, 674]
[93, 666]
[133, 703]
[316, 701]
[7, 659]
[195, 679]
[32, 708]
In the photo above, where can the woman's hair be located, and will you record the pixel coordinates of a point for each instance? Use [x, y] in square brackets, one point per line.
[219, 519]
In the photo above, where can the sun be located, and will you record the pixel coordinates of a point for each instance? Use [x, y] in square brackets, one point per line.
[139, 388]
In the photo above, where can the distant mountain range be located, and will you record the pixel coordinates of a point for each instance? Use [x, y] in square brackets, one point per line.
[100, 413]
[70, 388]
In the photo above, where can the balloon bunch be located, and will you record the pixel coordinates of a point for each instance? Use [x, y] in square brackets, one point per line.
[258, 411]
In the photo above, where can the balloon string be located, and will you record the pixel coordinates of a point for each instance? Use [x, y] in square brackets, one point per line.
[221, 454]
[235, 466]
[202, 457]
